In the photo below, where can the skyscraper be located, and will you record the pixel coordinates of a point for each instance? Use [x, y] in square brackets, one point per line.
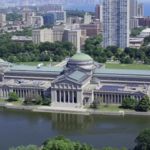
[99, 12]
[116, 23]
[133, 8]
[49, 18]
[87, 18]
[141, 9]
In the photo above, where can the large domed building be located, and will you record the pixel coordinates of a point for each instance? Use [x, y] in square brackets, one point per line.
[81, 60]
[78, 83]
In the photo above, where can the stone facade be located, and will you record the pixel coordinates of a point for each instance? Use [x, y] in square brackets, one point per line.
[78, 84]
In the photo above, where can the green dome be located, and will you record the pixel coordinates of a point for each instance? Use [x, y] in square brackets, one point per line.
[81, 56]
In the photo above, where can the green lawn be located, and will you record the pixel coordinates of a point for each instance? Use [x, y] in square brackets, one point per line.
[110, 108]
[127, 66]
[36, 63]
[19, 102]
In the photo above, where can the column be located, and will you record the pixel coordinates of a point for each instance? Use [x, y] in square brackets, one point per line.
[64, 96]
[68, 97]
[72, 96]
[60, 96]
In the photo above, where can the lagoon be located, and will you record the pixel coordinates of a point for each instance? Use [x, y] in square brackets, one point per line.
[20, 127]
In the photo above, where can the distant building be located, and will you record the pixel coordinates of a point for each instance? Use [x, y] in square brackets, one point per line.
[58, 33]
[74, 37]
[21, 39]
[60, 15]
[134, 23]
[49, 18]
[99, 12]
[26, 15]
[147, 21]
[133, 8]
[91, 29]
[35, 21]
[141, 9]
[2, 20]
[73, 20]
[116, 18]
[87, 18]
[44, 35]
[53, 7]
[136, 42]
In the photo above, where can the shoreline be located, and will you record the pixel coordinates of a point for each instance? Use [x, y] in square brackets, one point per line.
[48, 109]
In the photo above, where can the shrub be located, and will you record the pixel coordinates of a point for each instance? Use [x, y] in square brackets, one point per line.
[13, 96]
[47, 101]
[144, 104]
[130, 103]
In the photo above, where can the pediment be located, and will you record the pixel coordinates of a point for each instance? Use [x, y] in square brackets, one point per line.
[65, 81]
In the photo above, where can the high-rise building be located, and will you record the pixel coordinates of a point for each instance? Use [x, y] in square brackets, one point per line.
[60, 15]
[26, 14]
[2, 20]
[49, 18]
[147, 21]
[91, 29]
[53, 7]
[87, 18]
[133, 8]
[99, 12]
[141, 9]
[34, 21]
[72, 20]
[74, 37]
[44, 35]
[116, 18]
[134, 23]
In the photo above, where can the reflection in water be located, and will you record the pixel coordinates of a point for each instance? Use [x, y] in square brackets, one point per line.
[21, 127]
[67, 122]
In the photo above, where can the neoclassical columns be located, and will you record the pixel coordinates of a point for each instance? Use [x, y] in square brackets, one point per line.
[65, 96]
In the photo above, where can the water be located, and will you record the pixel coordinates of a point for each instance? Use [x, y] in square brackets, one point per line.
[24, 128]
[91, 8]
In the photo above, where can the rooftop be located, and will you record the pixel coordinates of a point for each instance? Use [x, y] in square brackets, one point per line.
[81, 56]
[122, 72]
[77, 75]
[26, 38]
[27, 83]
[35, 69]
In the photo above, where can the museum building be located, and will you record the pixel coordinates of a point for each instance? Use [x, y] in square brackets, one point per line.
[77, 84]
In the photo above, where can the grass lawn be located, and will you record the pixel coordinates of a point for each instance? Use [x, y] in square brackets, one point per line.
[110, 108]
[127, 66]
[36, 63]
[19, 102]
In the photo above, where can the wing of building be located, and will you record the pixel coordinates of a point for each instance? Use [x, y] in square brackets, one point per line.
[77, 84]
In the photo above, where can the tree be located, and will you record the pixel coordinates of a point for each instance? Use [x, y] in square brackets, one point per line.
[144, 104]
[143, 140]
[130, 103]
[13, 96]
[96, 104]
[39, 100]
[47, 101]
[32, 100]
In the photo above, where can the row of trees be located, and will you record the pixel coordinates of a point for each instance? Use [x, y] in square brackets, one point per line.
[79, 13]
[137, 31]
[93, 48]
[142, 105]
[29, 99]
[17, 52]
[60, 143]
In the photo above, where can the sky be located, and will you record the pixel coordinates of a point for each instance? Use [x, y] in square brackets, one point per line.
[143, 1]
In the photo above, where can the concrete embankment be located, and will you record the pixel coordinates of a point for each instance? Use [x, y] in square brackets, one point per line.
[78, 111]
